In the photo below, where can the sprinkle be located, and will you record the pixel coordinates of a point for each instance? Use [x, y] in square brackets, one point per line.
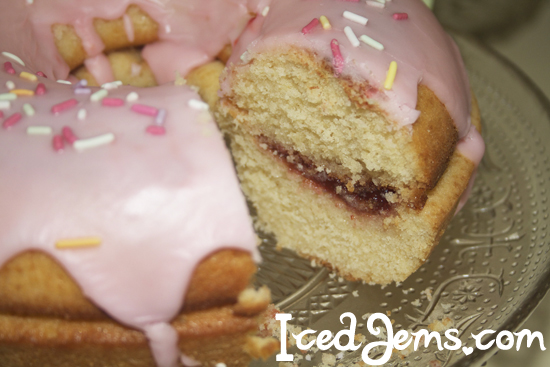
[132, 97]
[221, 364]
[10, 85]
[390, 77]
[13, 57]
[28, 109]
[112, 102]
[351, 36]
[28, 76]
[1, 115]
[12, 120]
[400, 16]
[161, 116]
[325, 23]
[99, 95]
[5, 105]
[355, 18]
[309, 27]
[81, 83]
[78, 242]
[40, 89]
[337, 59]
[22, 92]
[69, 135]
[376, 4]
[39, 73]
[372, 43]
[111, 85]
[198, 105]
[63, 106]
[265, 11]
[8, 97]
[8, 67]
[30, 2]
[39, 130]
[61, 81]
[156, 130]
[57, 143]
[78, 91]
[144, 110]
[97, 141]
[81, 115]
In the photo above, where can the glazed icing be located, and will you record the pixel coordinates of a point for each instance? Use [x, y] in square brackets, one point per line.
[191, 32]
[425, 54]
[159, 203]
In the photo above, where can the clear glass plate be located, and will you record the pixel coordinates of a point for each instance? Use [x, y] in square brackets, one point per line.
[491, 268]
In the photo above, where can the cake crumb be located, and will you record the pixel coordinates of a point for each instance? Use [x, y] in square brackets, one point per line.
[329, 359]
[355, 293]
[416, 303]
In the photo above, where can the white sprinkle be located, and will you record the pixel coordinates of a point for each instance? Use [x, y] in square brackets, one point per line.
[132, 97]
[221, 365]
[265, 11]
[351, 36]
[112, 85]
[167, 28]
[83, 144]
[381, 1]
[28, 109]
[198, 105]
[161, 116]
[81, 115]
[244, 57]
[5, 105]
[99, 95]
[61, 81]
[376, 4]
[372, 43]
[10, 85]
[8, 97]
[39, 130]
[30, 2]
[13, 57]
[355, 18]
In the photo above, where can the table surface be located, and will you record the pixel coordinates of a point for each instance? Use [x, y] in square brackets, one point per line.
[528, 46]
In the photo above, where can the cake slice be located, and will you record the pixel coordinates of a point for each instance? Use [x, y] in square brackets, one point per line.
[342, 163]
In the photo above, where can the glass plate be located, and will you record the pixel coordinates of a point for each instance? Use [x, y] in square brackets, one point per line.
[491, 268]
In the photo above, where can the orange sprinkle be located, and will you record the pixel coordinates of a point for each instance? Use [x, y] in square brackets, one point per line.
[30, 77]
[78, 242]
[22, 92]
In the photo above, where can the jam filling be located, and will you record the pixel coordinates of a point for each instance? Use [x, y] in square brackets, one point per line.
[363, 196]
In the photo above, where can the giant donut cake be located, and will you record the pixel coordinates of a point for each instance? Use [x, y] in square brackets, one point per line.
[125, 239]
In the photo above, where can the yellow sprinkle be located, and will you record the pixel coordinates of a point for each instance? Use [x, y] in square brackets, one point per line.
[390, 77]
[78, 242]
[30, 77]
[325, 23]
[22, 92]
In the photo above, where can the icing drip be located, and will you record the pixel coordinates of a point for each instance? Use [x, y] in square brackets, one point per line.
[128, 27]
[100, 67]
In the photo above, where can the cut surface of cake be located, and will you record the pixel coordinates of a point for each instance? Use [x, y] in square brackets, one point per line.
[343, 161]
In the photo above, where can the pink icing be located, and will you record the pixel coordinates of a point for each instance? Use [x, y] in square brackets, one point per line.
[190, 32]
[423, 51]
[160, 204]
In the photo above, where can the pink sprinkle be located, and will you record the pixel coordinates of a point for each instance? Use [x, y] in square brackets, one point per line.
[57, 143]
[112, 102]
[39, 73]
[69, 135]
[12, 120]
[308, 28]
[63, 106]
[40, 89]
[156, 130]
[9, 68]
[144, 110]
[337, 59]
[400, 16]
